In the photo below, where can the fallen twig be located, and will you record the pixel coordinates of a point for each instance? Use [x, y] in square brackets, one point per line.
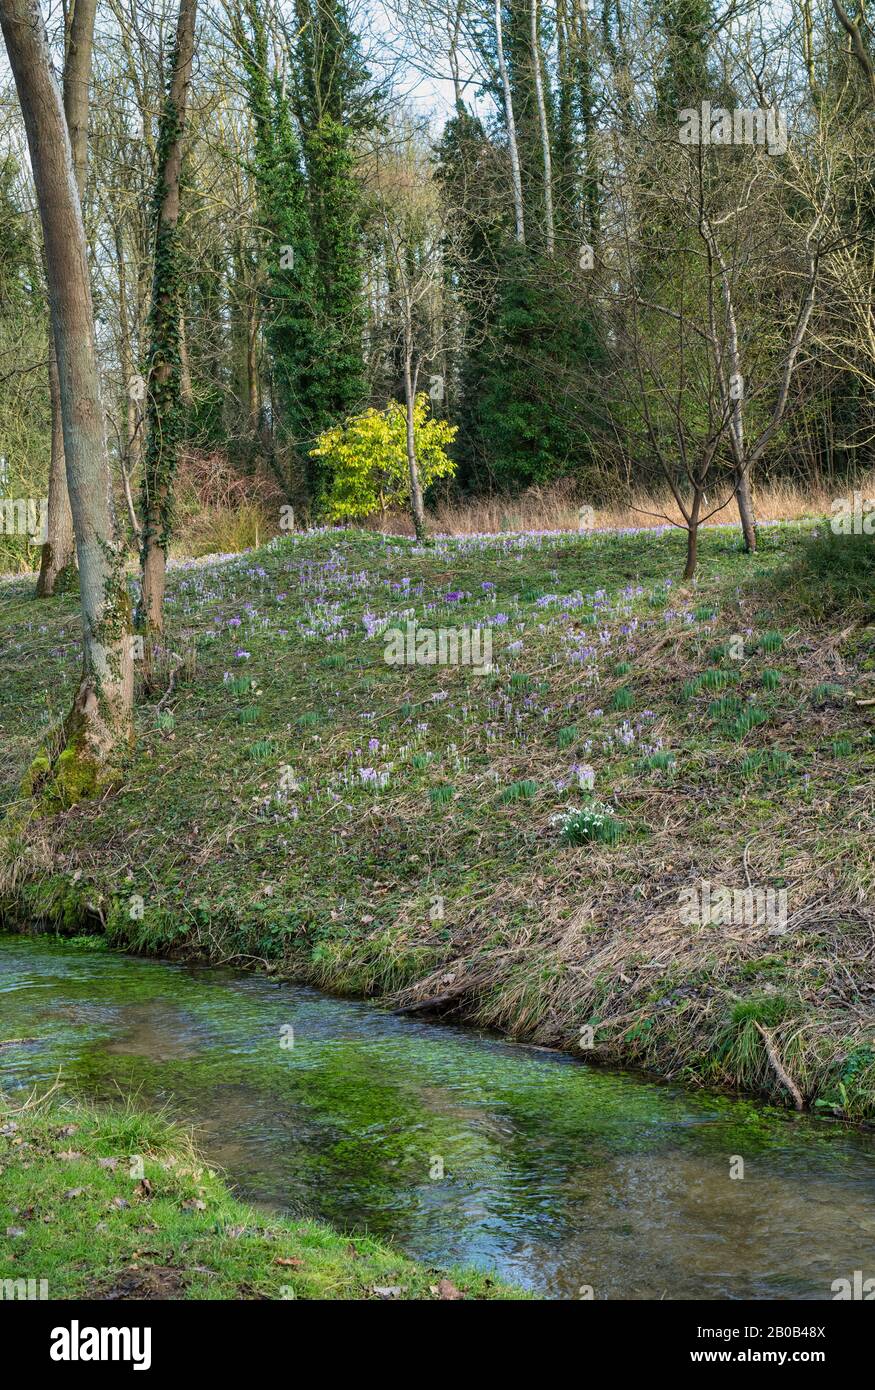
[778, 1068]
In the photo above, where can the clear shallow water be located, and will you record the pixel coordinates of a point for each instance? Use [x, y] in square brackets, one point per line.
[555, 1174]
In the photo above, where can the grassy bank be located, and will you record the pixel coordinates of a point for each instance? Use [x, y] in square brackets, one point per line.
[425, 834]
[118, 1204]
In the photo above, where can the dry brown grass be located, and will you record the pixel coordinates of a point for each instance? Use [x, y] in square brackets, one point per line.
[557, 508]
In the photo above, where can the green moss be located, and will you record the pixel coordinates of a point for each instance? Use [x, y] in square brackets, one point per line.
[36, 775]
[75, 777]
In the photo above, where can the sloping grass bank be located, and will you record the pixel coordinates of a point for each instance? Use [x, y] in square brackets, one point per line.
[105, 1204]
[546, 847]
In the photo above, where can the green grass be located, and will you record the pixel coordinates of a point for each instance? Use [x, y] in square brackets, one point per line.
[830, 577]
[329, 875]
[519, 791]
[661, 761]
[118, 1203]
[441, 795]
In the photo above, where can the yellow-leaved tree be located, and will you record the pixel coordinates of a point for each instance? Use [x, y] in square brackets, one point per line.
[367, 461]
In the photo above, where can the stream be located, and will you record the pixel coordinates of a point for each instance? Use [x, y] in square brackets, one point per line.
[459, 1147]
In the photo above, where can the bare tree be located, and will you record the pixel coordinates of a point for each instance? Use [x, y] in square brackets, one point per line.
[513, 147]
[706, 368]
[730, 374]
[415, 232]
[100, 720]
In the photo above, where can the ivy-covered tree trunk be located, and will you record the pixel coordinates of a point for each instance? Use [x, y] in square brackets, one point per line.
[285, 266]
[100, 720]
[584, 68]
[57, 556]
[333, 106]
[164, 416]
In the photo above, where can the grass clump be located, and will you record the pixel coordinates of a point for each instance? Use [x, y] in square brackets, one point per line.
[740, 1048]
[240, 685]
[827, 693]
[594, 821]
[524, 790]
[261, 750]
[769, 642]
[660, 761]
[727, 707]
[439, 796]
[750, 718]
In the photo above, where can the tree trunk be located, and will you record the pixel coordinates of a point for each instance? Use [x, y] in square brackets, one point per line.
[56, 560]
[513, 148]
[252, 361]
[545, 132]
[58, 550]
[858, 47]
[586, 97]
[100, 720]
[745, 510]
[165, 358]
[416, 507]
[133, 420]
[186, 390]
[693, 534]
